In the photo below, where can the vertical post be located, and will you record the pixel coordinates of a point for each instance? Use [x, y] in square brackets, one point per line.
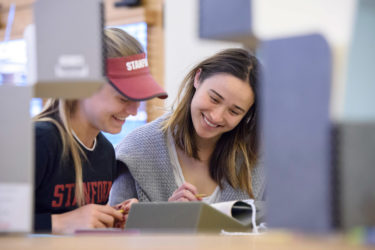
[16, 159]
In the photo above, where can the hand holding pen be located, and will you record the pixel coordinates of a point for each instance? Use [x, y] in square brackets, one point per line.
[86, 217]
[124, 208]
[186, 192]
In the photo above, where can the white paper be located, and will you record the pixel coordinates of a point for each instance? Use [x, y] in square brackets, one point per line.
[226, 206]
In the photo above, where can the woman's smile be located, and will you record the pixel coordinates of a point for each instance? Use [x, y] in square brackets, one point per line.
[209, 123]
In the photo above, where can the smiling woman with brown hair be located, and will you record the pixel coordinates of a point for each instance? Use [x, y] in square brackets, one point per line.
[207, 145]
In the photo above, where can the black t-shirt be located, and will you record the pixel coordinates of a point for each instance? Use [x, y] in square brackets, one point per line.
[55, 177]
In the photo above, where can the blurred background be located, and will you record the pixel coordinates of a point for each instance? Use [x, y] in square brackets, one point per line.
[318, 101]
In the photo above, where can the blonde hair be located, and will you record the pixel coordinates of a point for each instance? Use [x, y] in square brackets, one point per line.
[118, 43]
[238, 146]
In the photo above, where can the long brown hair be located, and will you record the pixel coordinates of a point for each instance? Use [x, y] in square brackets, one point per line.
[236, 147]
[118, 43]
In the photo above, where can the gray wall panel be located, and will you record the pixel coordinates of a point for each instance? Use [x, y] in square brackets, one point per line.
[295, 119]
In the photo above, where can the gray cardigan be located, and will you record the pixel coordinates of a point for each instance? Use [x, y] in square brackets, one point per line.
[146, 171]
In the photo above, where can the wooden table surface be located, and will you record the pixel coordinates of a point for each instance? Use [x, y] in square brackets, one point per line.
[274, 240]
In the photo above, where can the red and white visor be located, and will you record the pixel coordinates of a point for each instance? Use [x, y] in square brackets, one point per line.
[131, 77]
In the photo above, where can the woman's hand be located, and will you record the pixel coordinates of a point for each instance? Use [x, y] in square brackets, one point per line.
[186, 192]
[86, 217]
[124, 208]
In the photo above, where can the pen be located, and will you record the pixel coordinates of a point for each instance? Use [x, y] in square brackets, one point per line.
[200, 195]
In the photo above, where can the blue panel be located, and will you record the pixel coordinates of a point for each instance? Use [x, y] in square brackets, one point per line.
[296, 127]
[223, 19]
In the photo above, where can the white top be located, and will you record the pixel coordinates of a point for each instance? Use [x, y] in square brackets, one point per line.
[83, 145]
[177, 171]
